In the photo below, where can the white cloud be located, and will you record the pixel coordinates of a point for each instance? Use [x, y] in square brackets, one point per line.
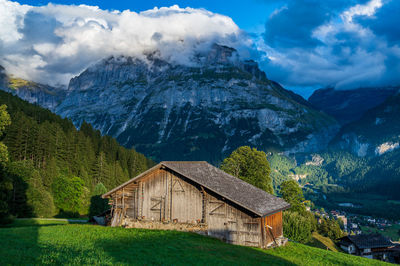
[347, 55]
[50, 44]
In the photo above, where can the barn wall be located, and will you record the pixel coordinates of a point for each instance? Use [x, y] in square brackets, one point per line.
[274, 221]
[232, 225]
[162, 196]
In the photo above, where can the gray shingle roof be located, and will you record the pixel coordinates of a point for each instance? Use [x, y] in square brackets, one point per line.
[369, 241]
[231, 188]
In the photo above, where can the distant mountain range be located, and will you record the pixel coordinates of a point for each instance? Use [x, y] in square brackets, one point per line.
[349, 105]
[198, 112]
[375, 133]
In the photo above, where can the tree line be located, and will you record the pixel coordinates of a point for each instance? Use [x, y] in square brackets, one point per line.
[51, 168]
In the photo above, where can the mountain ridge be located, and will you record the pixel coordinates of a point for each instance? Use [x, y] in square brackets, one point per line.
[203, 111]
[349, 105]
[200, 111]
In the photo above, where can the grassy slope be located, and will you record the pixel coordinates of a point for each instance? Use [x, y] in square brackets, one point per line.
[323, 242]
[49, 243]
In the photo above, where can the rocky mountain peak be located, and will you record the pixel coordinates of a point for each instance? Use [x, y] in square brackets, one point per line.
[193, 112]
[220, 54]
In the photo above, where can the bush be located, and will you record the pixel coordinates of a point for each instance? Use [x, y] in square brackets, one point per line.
[330, 228]
[97, 204]
[38, 198]
[298, 227]
[68, 194]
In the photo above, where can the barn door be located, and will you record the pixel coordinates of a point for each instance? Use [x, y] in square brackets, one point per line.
[232, 233]
[252, 232]
[178, 204]
[157, 206]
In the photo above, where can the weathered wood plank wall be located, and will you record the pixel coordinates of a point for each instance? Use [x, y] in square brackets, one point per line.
[165, 196]
[273, 224]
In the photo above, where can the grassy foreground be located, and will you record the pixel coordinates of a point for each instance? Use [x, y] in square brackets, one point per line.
[55, 243]
[323, 242]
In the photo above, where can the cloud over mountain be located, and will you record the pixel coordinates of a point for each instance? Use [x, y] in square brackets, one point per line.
[51, 43]
[306, 43]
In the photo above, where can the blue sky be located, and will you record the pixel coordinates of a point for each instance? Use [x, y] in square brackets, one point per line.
[249, 15]
[302, 44]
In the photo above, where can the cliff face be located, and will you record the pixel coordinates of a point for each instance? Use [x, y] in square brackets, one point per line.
[197, 112]
[43, 95]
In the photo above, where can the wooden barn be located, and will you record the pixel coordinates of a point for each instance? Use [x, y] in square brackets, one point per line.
[198, 197]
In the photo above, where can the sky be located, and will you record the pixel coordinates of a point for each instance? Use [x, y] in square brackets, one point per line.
[302, 44]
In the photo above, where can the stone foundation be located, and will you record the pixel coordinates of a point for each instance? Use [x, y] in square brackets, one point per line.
[133, 223]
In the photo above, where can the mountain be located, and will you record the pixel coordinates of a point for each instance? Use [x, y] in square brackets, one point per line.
[43, 95]
[199, 112]
[376, 133]
[349, 105]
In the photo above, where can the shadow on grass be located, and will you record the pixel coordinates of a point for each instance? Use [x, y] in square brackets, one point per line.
[141, 246]
[87, 245]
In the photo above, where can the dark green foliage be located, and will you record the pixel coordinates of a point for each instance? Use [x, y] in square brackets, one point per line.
[38, 197]
[250, 165]
[330, 228]
[46, 150]
[20, 174]
[5, 181]
[4, 122]
[6, 188]
[281, 169]
[97, 204]
[68, 192]
[292, 193]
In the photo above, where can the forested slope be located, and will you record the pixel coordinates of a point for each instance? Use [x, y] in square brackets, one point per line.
[55, 168]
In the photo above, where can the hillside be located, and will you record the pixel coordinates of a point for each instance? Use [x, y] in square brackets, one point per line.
[50, 161]
[323, 242]
[336, 176]
[87, 244]
[375, 133]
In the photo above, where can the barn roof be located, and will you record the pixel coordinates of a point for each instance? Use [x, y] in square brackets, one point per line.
[368, 240]
[232, 188]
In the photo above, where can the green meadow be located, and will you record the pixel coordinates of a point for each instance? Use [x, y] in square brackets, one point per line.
[36, 242]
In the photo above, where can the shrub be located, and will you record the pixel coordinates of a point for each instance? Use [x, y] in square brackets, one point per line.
[297, 227]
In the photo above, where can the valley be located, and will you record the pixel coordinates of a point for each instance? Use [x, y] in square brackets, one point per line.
[200, 132]
[204, 112]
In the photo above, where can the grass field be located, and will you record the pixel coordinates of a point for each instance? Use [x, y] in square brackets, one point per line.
[323, 242]
[46, 242]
